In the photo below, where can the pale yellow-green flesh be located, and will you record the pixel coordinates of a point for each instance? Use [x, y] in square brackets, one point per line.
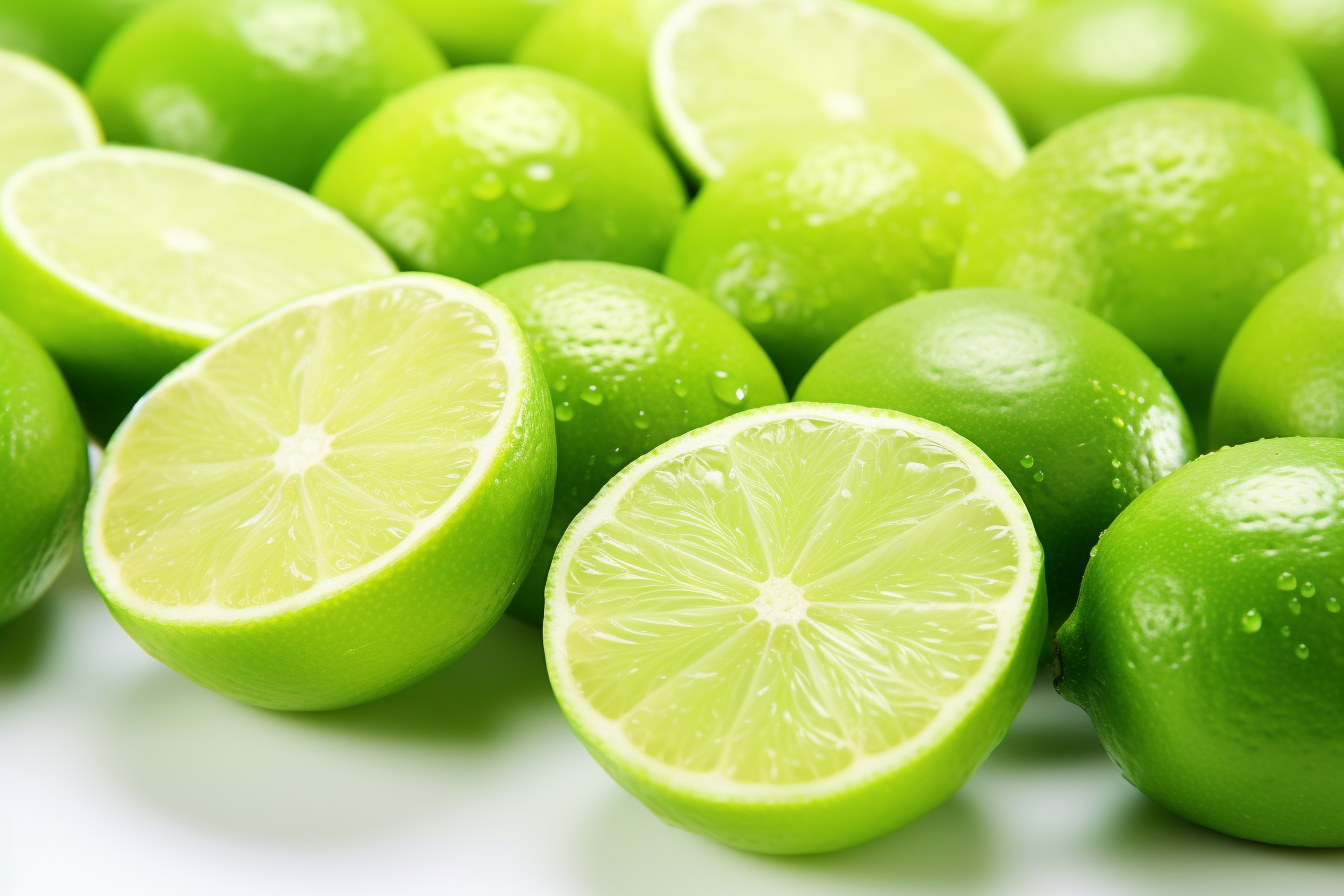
[40, 114]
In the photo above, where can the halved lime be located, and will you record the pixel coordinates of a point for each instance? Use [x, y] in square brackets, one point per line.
[729, 74]
[42, 113]
[798, 627]
[124, 262]
[332, 501]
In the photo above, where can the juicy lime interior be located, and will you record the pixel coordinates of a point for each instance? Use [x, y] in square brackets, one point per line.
[40, 114]
[776, 604]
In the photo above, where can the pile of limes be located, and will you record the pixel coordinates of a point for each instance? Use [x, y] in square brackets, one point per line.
[376, 349]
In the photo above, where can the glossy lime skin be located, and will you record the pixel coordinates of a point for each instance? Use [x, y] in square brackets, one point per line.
[633, 359]
[494, 168]
[1230, 719]
[64, 33]
[1284, 374]
[1083, 56]
[44, 471]
[1170, 218]
[1037, 385]
[476, 31]
[802, 242]
[267, 85]
[968, 29]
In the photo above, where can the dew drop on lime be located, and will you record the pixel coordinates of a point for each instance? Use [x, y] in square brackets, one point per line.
[1028, 461]
[1302, 651]
[641, 422]
[1039, 477]
[540, 189]
[592, 395]
[488, 187]
[1118, 422]
[1286, 581]
[1333, 605]
[563, 412]
[727, 388]
[1286, 632]
[1115, 483]
[561, 384]
[1251, 622]
[1307, 590]
[1295, 607]
[487, 231]
[679, 388]
[1115, 462]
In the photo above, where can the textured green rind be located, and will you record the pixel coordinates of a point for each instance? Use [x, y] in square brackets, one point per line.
[1227, 728]
[44, 471]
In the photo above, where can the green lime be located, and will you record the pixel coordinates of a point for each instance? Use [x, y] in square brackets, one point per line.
[123, 262]
[968, 29]
[799, 627]
[1070, 410]
[44, 471]
[633, 359]
[1208, 644]
[728, 75]
[334, 500]
[268, 85]
[1078, 57]
[41, 114]
[1171, 218]
[475, 31]
[1284, 374]
[801, 242]
[494, 168]
[66, 34]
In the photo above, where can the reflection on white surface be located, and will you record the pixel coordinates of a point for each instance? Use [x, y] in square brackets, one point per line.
[117, 776]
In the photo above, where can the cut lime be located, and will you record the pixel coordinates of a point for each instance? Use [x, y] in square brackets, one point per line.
[334, 500]
[798, 627]
[41, 113]
[729, 74]
[123, 262]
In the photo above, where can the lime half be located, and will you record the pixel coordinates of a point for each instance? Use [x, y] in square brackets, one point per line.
[41, 113]
[730, 74]
[798, 627]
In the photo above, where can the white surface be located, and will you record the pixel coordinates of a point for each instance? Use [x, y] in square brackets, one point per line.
[117, 776]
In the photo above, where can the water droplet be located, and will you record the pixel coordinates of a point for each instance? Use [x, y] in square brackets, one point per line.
[592, 395]
[1286, 631]
[679, 389]
[1028, 461]
[1307, 590]
[1302, 651]
[1039, 476]
[540, 189]
[488, 187]
[727, 388]
[487, 231]
[641, 422]
[1093, 552]
[1251, 622]
[1237, 558]
[561, 384]
[1286, 581]
[1115, 483]
[1118, 422]
[1295, 607]
[615, 460]
[563, 412]
[1115, 462]
[1333, 605]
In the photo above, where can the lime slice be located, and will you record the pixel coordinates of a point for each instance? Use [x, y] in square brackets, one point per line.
[332, 501]
[729, 74]
[41, 113]
[799, 627]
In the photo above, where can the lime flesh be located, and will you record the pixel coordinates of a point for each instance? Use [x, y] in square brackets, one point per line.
[41, 114]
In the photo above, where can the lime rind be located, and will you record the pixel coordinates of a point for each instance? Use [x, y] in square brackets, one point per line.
[73, 127]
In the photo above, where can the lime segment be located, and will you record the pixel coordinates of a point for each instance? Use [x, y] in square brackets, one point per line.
[41, 113]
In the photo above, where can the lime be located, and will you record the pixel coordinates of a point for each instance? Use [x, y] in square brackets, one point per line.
[494, 168]
[44, 471]
[729, 74]
[1073, 413]
[803, 241]
[968, 29]
[798, 627]
[633, 359]
[1170, 218]
[66, 34]
[268, 85]
[1082, 56]
[1284, 374]
[41, 114]
[123, 262]
[474, 31]
[334, 500]
[1208, 645]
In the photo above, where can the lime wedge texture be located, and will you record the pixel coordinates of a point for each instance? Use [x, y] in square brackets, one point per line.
[730, 74]
[799, 627]
[42, 113]
[334, 500]
[124, 262]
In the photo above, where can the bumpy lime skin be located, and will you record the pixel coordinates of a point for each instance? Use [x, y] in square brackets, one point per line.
[1039, 387]
[64, 33]
[267, 85]
[1171, 218]
[633, 359]
[802, 242]
[1077, 58]
[1284, 374]
[475, 31]
[44, 471]
[490, 169]
[1232, 720]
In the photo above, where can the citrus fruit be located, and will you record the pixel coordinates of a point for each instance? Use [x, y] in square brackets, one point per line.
[268, 85]
[1208, 645]
[123, 262]
[41, 114]
[66, 34]
[1284, 373]
[1070, 410]
[1171, 218]
[1078, 57]
[801, 242]
[730, 74]
[334, 500]
[475, 31]
[44, 471]
[633, 359]
[798, 627]
[494, 168]
[968, 29]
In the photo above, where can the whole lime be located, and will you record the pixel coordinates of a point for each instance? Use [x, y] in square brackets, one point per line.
[1284, 374]
[1208, 644]
[267, 85]
[967, 29]
[65, 33]
[802, 242]
[633, 359]
[1074, 414]
[475, 31]
[1171, 218]
[1076, 58]
[44, 471]
[494, 168]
